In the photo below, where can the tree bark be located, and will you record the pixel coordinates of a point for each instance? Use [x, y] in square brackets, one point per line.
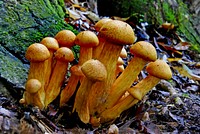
[23, 22]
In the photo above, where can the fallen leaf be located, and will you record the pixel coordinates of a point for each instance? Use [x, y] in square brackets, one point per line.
[182, 46]
[187, 72]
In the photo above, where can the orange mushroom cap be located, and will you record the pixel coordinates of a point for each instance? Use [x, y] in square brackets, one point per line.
[87, 39]
[33, 85]
[50, 42]
[144, 50]
[159, 69]
[117, 32]
[100, 23]
[64, 54]
[94, 70]
[37, 52]
[65, 38]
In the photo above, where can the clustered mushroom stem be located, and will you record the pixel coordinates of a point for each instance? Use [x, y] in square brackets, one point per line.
[52, 45]
[81, 102]
[69, 90]
[85, 55]
[115, 111]
[63, 56]
[123, 82]
[39, 97]
[55, 82]
[100, 90]
[157, 70]
[143, 87]
[98, 49]
[94, 71]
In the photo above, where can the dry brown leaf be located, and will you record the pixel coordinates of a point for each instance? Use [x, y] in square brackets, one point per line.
[182, 46]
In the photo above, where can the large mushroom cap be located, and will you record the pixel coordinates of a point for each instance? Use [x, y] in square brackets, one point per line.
[33, 85]
[117, 32]
[144, 50]
[50, 42]
[37, 52]
[100, 23]
[87, 39]
[94, 70]
[159, 69]
[64, 54]
[65, 38]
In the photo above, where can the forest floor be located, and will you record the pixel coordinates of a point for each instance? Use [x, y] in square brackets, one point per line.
[171, 107]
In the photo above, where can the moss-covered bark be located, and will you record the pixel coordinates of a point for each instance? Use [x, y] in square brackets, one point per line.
[23, 22]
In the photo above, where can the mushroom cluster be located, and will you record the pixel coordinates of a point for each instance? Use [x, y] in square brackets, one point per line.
[103, 86]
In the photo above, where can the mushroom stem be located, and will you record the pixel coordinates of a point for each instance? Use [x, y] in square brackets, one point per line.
[114, 112]
[94, 71]
[157, 70]
[52, 46]
[39, 97]
[143, 53]
[111, 32]
[81, 103]
[69, 90]
[143, 87]
[123, 82]
[71, 86]
[138, 90]
[63, 55]
[100, 90]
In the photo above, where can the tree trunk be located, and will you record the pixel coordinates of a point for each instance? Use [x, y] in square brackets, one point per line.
[23, 22]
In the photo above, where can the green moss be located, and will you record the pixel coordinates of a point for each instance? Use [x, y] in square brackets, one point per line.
[27, 22]
[179, 16]
[22, 23]
[168, 13]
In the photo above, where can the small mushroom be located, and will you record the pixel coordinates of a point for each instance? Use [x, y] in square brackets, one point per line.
[86, 40]
[143, 53]
[116, 34]
[157, 70]
[32, 86]
[94, 71]
[38, 54]
[52, 45]
[63, 56]
[65, 38]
